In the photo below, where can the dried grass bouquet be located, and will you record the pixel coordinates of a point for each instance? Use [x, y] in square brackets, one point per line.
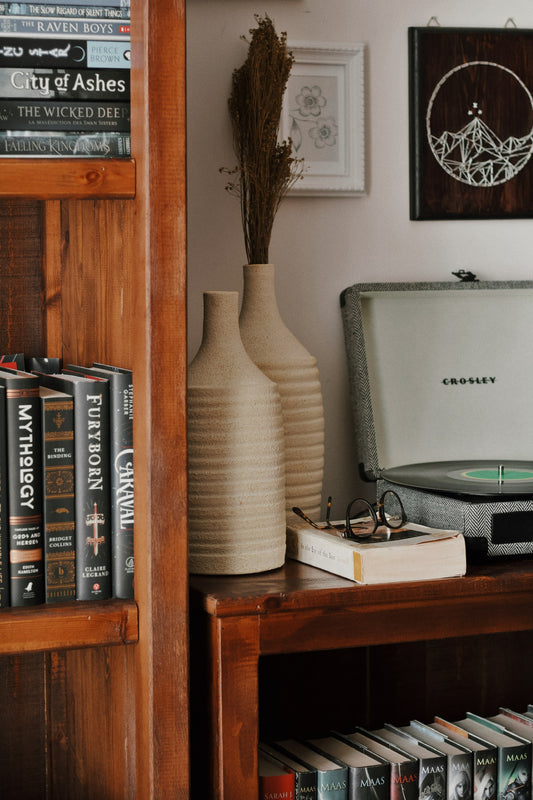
[266, 168]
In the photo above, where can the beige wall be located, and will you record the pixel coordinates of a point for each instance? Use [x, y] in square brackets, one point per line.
[321, 245]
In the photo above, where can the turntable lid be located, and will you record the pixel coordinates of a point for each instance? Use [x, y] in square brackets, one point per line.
[440, 371]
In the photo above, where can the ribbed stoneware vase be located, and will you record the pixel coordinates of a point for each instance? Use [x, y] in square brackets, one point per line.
[236, 452]
[279, 354]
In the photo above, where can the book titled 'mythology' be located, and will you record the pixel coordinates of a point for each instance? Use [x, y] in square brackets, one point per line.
[45, 144]
[4, 534]
[92, 493]
[36, 83]
[70, 115]
[59, 53]
[25, 489]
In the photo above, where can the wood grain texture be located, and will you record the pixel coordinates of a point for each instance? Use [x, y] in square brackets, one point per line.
[323, 653]
[57, 178]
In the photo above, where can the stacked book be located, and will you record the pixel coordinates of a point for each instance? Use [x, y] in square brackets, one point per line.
[65, 79]
[475, 758]
[66, 482]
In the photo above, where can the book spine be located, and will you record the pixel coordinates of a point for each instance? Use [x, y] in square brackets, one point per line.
[57, 415]
[60, 53]
[45, 144]
[71, 3]
[92, 495]
[370, 783]
[58, 10]
[55, 115]
[320, 550]
[485, 774]
[432, 774]
[4, 536]
[404, 781]
[332, 784]
[460, 776]
[35, 83]
[122, 487]
[25, 496]
[61, 28]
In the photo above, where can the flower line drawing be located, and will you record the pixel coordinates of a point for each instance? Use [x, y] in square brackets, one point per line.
[310, 106]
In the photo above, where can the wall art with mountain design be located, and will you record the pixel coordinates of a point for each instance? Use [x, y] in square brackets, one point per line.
[471, 123]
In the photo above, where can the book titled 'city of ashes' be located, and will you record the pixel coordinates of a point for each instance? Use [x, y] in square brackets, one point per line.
[414, 552]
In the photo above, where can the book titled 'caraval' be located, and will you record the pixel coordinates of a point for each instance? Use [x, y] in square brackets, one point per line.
[24, 487]
[91, 489]
[57, 422]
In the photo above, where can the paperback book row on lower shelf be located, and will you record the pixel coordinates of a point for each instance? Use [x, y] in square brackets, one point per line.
[65, 79]
[475, 758]
[66, 482]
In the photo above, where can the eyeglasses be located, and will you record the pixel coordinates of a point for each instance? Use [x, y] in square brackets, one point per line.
[365, 517]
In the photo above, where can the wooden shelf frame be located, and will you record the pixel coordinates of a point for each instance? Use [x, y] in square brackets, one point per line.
[62, 178]
[68, 626]
[301, 609]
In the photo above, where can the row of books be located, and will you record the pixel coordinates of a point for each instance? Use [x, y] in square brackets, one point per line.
[66, 482]
[65, 79]
[475, 758]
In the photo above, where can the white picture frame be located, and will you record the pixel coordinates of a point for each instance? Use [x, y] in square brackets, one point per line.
[323, 114]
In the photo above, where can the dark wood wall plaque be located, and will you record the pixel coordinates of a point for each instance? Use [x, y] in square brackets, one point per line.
[471, 123]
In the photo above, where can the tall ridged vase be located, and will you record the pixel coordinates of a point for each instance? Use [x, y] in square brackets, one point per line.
[236, 452]
[272, 346]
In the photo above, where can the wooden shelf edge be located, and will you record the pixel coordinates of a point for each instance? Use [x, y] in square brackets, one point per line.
[60, 178]
[68, 626]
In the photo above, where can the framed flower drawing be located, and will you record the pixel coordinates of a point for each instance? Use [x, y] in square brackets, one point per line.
[471, 123]
[323, 115]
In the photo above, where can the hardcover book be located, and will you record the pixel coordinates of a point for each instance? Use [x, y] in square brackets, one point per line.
[59, 53]
[70, 115]
[514, 754]
[459, 779]
[275, 780]
[332, 777]
[403, 767]
[69, 28]
[414, 552]
[431, 763]
[305, 777]
[121, 471]
[485, 758]
[93, 11]
[64, 144]
[24, 487]
[92, 492]
[368, 775]
[4, 533]
[57, 421]
[37, 83]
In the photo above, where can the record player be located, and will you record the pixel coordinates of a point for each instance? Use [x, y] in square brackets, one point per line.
[441, 387]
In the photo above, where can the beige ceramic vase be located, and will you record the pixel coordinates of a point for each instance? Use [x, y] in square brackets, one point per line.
[272, 346]
[236, 452]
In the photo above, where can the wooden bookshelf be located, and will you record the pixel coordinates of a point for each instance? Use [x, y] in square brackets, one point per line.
[60, 178]
[298, 651]
[94, 696]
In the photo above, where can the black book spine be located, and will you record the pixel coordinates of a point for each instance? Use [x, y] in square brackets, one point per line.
[61, 10]
[4, 535]
[92, 494]
[121, 472]
[122, 489]
[57, 410]
[64, 84]
[25, 495]
[69, 28]
[68, 115]
[61, 53]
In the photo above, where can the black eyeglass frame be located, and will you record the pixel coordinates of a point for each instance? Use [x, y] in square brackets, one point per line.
[376, 516]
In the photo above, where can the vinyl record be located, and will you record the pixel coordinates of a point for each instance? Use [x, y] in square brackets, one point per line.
[488, 479]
